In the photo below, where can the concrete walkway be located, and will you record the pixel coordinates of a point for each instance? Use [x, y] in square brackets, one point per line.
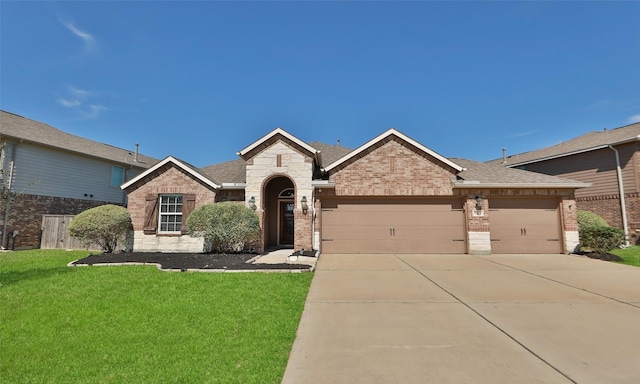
[467, 319]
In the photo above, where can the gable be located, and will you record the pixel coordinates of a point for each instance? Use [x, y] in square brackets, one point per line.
[169, 172]
[392, 167]
[273, 137]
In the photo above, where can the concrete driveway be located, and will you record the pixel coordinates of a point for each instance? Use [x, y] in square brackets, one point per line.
[468, 319]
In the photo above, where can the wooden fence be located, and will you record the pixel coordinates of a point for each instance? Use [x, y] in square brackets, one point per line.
[55, 235]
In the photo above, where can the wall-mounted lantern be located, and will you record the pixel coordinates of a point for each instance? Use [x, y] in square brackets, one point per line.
[303, 204]
[479, 203]
[252, 203]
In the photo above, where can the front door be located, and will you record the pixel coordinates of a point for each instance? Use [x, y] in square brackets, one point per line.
[286, 223]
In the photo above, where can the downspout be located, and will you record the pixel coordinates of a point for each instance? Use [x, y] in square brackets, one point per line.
[8, 201]
[623, 207]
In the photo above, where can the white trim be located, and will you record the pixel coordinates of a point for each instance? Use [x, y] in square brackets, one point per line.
[323, 184]
[233, 186]
[393, 131]
[273, 133]
[170, 159]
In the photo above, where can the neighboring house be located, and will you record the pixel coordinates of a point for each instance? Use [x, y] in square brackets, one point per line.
[390, 195]
[609, 160]
[53, 172]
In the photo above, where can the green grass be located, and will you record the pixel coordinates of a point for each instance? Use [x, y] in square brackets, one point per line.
[137, 324]
[631, 255]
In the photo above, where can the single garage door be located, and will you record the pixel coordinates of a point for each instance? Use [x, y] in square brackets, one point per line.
[351, 225]
[525, 225]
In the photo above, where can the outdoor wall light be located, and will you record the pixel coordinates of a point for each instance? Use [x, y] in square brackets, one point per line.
[304, 205]
[252, 203]
[478, 203]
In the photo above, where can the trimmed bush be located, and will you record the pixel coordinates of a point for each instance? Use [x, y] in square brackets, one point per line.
[590, 219]
[601, 239]
[229, 226]
[104, 225]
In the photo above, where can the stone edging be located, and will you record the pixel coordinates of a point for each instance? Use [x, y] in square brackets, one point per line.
[222, 270]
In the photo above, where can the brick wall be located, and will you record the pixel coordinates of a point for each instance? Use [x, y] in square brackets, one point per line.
[167, 179]
[25, 215]
[391, 168]
[609, 208]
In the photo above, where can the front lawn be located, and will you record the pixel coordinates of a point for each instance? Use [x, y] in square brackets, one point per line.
[137, 324]
[631, 255]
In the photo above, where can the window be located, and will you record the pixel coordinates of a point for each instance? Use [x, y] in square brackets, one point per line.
[170, 220]
[117, 176]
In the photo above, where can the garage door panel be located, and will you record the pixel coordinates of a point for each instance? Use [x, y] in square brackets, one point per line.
[402, 226]
[525, 225]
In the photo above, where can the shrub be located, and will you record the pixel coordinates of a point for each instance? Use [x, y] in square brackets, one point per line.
[601, 239]
[104, 225]
[590, 219]
[229, 226]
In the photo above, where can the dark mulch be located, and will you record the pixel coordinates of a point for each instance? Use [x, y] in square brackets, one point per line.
[601, 256]
[184, 261]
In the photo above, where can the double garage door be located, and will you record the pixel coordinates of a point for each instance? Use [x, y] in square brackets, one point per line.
[396, 226]
[436, 225]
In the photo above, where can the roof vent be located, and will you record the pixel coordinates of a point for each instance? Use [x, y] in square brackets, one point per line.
[338, 143]
[504, 155]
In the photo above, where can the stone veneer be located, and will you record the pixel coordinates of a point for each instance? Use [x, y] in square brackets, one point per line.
[283, 159]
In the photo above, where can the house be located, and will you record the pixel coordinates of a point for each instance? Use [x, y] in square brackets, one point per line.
[609, 160]
[390, 195]
[56, 173]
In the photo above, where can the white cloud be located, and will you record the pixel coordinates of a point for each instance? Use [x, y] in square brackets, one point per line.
[80, 93]
[94, 110]
[78, 100]
[634, 119]
[69, 103]
[88, 40]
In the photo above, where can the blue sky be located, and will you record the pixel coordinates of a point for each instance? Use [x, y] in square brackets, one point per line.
[202, 80]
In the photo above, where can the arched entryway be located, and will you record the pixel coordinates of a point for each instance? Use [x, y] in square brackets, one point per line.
[279, 204]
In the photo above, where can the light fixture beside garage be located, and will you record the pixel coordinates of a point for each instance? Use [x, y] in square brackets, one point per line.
[478, 211]
[303, 204]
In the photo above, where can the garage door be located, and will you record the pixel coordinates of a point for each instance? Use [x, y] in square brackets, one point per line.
[525, 226]
[397, 226]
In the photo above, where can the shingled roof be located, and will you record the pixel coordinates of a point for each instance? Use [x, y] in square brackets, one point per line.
[330, 153]
[233, 171]
[489, 175]
[585, 143]
[21, 128]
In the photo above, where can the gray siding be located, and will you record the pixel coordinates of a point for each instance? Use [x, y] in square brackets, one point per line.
[596, 167]
[43, 171]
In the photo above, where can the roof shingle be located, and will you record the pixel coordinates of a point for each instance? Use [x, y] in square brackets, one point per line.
[590, 141]
[18, 127]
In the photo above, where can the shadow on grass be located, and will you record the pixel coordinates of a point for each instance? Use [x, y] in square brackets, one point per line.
[12, 277]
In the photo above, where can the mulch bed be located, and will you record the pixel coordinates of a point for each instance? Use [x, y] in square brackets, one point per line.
[601, 256]
[184, 261]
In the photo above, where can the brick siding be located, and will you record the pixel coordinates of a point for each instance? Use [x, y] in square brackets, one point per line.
[167, 179]
[25, 215]
[392, 169]
[609, 208]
